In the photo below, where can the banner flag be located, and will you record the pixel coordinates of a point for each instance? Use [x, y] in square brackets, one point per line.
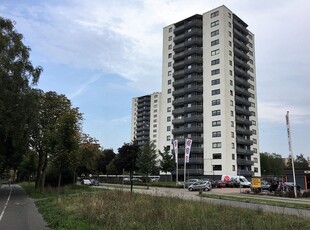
[288, 131]
[188, 145]
[175, 147]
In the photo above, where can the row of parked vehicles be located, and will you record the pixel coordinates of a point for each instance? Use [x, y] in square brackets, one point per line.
[90, 182]
[208, 184]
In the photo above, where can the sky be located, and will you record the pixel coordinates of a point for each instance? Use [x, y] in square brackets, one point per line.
[102, 53]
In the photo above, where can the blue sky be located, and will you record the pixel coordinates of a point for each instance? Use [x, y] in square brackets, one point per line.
[102, 53]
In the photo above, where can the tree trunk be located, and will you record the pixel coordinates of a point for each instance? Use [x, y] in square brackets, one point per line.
[39, 170]
[42, 179]
[58, 187]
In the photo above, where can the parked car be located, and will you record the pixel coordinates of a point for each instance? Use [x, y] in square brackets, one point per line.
[94, 182]
[136, 179]
[265, 185]
[218, 184]
[190, 182]
[200, 185]
[86, 182]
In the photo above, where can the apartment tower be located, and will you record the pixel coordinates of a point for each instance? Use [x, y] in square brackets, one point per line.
[145, 118]
[209, 95]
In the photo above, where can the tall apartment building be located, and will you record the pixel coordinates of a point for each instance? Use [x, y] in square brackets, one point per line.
[145, 118]
[209, 94]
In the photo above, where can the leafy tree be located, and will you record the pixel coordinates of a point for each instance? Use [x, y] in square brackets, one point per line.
[167, 162]
[111, 169]
[299, 163]
[147, 159]
[271, 164]
[17, 75]
[89, 153]
[126, 158]
[50, 108]
[66, 135]
[28, 165]
[104, 160]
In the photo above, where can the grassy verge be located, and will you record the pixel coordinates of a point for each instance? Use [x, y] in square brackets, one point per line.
[116, 209]
[268, 201]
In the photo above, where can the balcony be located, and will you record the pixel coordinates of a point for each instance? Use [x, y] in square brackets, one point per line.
[240, 27]
[239, 81]
[241, 54]
[178, 74]
[193, 50]
[179, 111]
[190, 172]
[246, 173]
[192, 160]
[243, 141]
[194, 108]
[193, 119]
[242, 63]
[241, 45]
[179, 121]
[242, 101]
[242, 72]
[182, 130]
[243, 111]
[192, 60]
[194, 69]
[246, 152]
[243, 121]
[242, 91]
[189, 43]
[178, 65]
[241, 36]
[245, 162]
[179, 47]
[179, 56]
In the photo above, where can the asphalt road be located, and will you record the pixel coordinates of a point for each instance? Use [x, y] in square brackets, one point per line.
[18, 211]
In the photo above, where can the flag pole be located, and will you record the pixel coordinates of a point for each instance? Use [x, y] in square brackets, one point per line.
[291, 151]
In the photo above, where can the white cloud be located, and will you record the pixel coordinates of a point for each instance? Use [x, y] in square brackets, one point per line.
[84, 86]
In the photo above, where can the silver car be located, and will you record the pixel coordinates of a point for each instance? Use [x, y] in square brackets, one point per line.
[200, 185]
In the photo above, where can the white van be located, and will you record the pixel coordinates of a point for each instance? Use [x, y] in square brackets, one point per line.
[241, 179]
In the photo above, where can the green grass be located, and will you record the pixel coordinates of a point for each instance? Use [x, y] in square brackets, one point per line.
[116, 209]
[253, 200]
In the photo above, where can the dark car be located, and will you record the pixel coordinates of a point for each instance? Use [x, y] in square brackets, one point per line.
[218, 184]
[265, 185]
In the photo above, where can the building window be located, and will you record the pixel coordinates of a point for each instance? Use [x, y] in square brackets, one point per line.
[233, 145]
[154, 130]
[216, 123]
[217, 167]
[250, 44]
[168, 138]
[214, 33]
[253, 122]
[253, 113]
[255, 150]
[169, 64]
[230, 72]
[251, 61]
[168, 128]
[231, 93]
[155, 120]
[230, 53]
[232, 134]
[169, 82]
[170, 47]
[216, 112]
[250, 36]
[231, 102]
[233, 168]
[169, 109]
[155, 126]
[170, 55]
[214, 14]
[255, 160]
[251, 53]
[170, 38]
[169, 91]
[154, 136]
[216, 145]
[215, 42]
[169, 73]
[229, 33]
[215, 23]
[254, 131]
[215, 71]
[155, 115]
[252, 86]
[215, 81]
[216, 102]
[233, 156]
[217, 156]
[230, 62]
[231, 83]
[215, 62]
[155, 101]
[232, 113]
[215, 91]
[168, 118]
[229, 24]
[155, 110]
[170, 29]
[169, 100]
[230, 44]
[216, 134]
[232, 124]
[255, 169]
[215, 52]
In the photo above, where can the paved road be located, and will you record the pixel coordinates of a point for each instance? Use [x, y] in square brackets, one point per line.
[17, 210]
[185, 194]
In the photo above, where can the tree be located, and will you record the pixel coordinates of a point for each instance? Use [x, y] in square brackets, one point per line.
[147, 159]
[104, 160]
[17, 75]
[167, 162]
[28, 166]
[126, 158]
[67, 145]
[271, 164]
[299, 163]
[50, 107]
[89, 152]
